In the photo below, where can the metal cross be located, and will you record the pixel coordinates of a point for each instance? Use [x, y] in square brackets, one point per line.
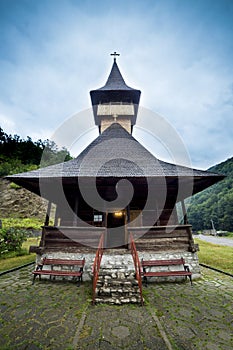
[114, 54]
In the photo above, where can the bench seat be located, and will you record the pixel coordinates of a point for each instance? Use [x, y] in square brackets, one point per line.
[41, 270]
[171, 262]
[58, 273]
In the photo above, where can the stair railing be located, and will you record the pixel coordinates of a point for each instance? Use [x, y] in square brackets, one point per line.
[137, 265]
[96, 266]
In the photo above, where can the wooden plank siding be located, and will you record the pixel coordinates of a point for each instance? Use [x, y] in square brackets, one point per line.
[156, 238]
[163, 238]
[71, 236]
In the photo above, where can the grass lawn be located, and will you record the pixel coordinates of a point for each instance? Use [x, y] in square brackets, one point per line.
[22, 223]
[218, 256]
[8, 263]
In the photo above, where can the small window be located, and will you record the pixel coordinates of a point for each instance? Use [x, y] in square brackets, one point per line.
[98, 218]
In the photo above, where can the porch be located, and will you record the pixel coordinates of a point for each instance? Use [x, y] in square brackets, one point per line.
[155, 238]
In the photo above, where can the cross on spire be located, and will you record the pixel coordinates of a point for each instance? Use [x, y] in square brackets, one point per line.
[115, 55]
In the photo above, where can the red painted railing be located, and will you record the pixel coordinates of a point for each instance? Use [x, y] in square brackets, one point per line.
[96, 265]
[138, 271]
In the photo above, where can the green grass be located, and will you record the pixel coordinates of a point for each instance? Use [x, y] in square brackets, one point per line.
[22, 223]
[14, 259]
[31, 241]
[9, 263]
[215, 255]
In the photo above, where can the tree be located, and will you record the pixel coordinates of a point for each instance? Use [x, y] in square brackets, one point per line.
[215, 203]
[18, 155]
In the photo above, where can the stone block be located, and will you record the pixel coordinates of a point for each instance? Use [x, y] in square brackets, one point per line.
[120, 275]
[124, 300]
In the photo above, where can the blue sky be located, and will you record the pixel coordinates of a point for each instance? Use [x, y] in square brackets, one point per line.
[177, 52]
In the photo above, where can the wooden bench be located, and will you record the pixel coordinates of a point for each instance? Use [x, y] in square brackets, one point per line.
[171, 262]
[55, 272]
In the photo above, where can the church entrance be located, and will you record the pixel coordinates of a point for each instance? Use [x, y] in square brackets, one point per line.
[116, 231]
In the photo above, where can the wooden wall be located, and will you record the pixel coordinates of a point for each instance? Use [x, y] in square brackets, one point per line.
[163, 238]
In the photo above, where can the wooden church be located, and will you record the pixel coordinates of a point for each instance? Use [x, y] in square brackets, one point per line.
[116, 187]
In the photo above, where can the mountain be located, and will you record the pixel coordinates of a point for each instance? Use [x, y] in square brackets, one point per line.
[215, 203]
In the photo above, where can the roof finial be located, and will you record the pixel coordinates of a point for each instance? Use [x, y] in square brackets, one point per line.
[114, 54]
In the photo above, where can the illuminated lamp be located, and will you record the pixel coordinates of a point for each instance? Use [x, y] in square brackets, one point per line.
[118, 214]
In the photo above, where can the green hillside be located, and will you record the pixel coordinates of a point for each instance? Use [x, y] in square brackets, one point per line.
[18, 155]
[214, 203]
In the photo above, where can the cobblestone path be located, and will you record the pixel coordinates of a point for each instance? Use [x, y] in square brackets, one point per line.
[54, 315]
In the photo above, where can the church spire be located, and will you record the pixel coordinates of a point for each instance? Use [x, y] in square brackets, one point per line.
[115, 80]
[115, 101]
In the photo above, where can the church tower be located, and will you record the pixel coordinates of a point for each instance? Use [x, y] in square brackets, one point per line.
[115, 102]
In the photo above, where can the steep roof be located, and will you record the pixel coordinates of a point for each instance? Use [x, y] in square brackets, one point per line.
[114, 153]
[115, 80]
[115, 90]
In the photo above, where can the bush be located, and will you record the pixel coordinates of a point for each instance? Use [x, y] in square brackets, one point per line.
[14, 186]
[11, 240]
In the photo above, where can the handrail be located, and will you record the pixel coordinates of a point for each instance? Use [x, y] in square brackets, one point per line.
[137, 265]
[96, 265]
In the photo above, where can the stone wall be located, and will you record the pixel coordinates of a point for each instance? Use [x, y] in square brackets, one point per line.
[191, 259]
[123, 262]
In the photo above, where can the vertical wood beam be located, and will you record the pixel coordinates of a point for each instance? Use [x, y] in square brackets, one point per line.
[126, 226]
[128, 213]
[184, 213]
[56, 216]
[75, 219]
[106, 229]
[46, 223]
[192, 247]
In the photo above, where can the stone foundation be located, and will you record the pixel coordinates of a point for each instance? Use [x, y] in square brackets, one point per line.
[120, 260]
[191, 259]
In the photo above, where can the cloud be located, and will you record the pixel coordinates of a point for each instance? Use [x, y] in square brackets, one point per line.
[7, 123]
[54, 53]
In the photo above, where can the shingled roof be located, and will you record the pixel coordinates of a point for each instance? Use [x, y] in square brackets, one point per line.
[115, 80]
[115, 90]
[114, 153]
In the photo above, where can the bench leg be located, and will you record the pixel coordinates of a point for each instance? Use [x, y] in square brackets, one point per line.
[145, 281]
[79, 281]
[186, 268]
[33, 280]
[191, 281]
[80, 278]
[34, 277]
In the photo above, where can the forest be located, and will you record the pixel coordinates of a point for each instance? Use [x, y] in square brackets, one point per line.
[19, 155]
[215, 203]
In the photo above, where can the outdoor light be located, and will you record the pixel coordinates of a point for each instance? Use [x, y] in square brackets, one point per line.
[118, 214]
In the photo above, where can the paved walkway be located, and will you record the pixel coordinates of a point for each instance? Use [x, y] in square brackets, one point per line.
[58, 315]
[216, 240]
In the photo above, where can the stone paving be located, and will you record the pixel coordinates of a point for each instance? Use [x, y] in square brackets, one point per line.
[56, 314]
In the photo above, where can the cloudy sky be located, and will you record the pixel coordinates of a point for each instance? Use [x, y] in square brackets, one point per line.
[179, 53]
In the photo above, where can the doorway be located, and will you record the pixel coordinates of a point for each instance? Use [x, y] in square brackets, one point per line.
[116, 230]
